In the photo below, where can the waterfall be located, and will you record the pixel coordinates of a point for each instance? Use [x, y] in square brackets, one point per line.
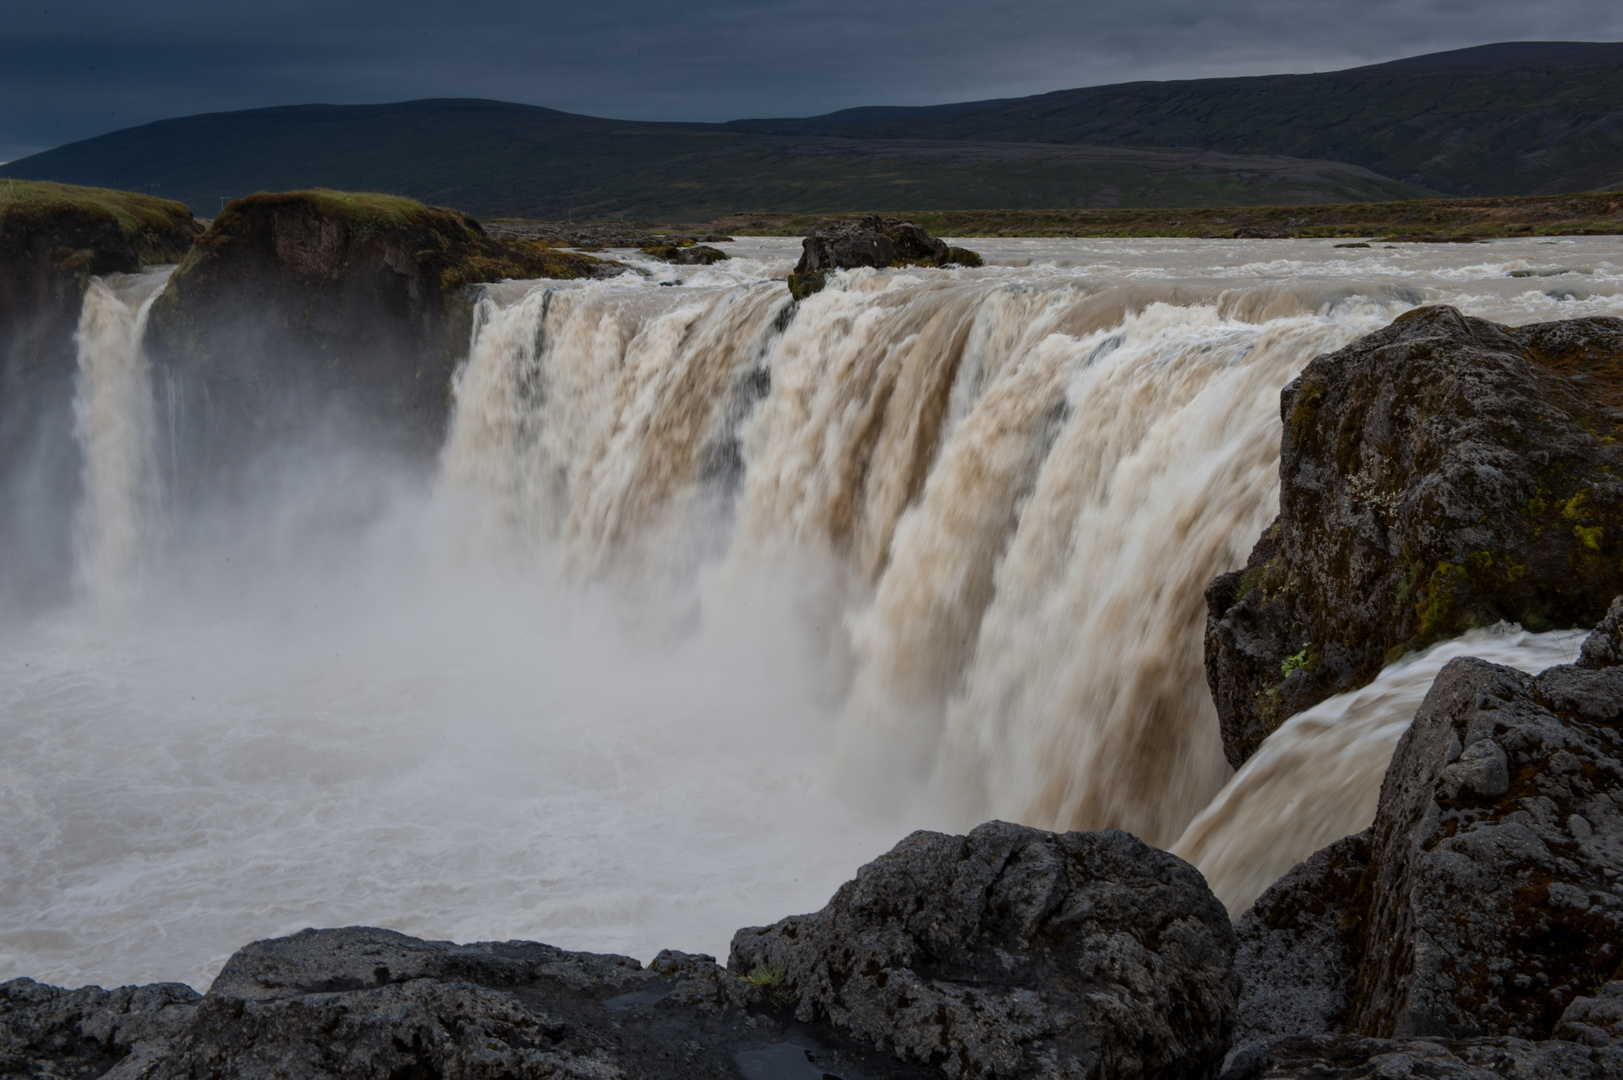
[1018, 492]
[1318, 778]
[115, 426]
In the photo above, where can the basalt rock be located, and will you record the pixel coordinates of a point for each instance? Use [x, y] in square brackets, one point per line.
[367, 1004]
[1496, 884]
[873, 241]
[1352, 1057]
[1013, 952]
[1299, 949]
[53, 239]
[1440, 474]
[303, 304]
[90, 1032]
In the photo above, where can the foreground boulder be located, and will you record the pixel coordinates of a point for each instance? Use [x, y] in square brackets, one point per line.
[874, 241]
[297, 303]
[368, 1004]
[1484, 906]
[1016, 952]
[1009, 953]
[1441, 474]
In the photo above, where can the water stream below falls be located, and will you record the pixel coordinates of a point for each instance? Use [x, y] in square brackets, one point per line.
[707, 601]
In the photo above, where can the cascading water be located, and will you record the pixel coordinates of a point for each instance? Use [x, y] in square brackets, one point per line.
[1318, 778]
[115, 426]
[711, 599]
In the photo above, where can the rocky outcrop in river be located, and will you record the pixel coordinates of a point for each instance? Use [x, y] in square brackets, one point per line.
[873, 241]
[1441, 474]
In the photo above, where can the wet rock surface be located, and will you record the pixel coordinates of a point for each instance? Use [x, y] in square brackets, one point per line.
[873, 241]
[1440, 474]
[1016, 952]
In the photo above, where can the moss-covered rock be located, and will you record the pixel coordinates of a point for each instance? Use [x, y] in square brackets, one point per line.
[295, 300]
[53, 238]
[1441, 474]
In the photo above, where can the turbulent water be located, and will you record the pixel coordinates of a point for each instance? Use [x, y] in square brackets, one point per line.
[708, 599]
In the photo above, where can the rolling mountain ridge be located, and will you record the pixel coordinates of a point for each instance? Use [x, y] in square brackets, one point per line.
[1514, 118]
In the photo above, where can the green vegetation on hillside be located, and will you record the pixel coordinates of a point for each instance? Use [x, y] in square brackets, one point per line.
[1520, 118]
[1538, 215]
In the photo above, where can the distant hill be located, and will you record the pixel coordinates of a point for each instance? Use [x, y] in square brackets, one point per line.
[1500, 119]
[1518, 118]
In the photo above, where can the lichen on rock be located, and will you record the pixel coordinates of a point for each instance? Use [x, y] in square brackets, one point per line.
[1441, 474]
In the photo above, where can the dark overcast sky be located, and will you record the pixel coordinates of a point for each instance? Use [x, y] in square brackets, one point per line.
[74, 68]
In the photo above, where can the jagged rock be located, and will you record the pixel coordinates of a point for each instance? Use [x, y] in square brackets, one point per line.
[298, 304]
[1351, 1057]
[1013, 952]
[1299, 948]
[872, 241]
[1496, 879]
[368, 1004]
[1603, 648]
[1440, 474]
[119, 1034]
[1595, 1021]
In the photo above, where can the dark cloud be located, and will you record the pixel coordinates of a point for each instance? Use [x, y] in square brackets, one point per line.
[74, 68]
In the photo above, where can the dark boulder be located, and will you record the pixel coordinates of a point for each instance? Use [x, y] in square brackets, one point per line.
[1013, 952]
[368, 1004]
[1496, 882]
[873, 241]
[1299, 949]
[294, 304]
[46, 1031]
[1440, 474]
[686, 254]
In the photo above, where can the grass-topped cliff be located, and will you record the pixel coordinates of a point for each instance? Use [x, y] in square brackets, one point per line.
[53, 237]
[94, 229]
[296, 303]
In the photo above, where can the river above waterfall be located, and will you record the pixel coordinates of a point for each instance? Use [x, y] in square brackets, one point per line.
[706, 600]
